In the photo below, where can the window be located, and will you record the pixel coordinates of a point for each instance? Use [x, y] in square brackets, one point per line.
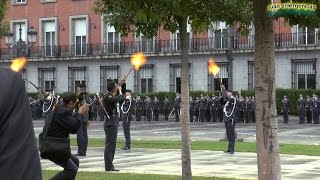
[79, 35]
[17, 2]
[175, 78]
[304, 73]
[107, 74]
[47, 1]
[305, 35]
[19, 29]
[46, 78]
[48, 37]
[220, 34]
[250, 75]
[176, 41]
[146, 44]
[144, 79]
[112, 40]
[213, 84]
[77, 75]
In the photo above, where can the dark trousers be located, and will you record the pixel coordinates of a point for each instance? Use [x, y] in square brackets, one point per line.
[166, 113]
[110, 145]
[309, 116]
[191, 114]
[208, 117]
[82, 139]
[138, 114]
[126, 129]
[315, 116]
[301, 116]
[201, 115]
[286, 116]
[213, 115]
[231, 135]
[148, 115]
[197, 114]
[156, 115]
[177, 114]
[70, 169]
[220, 114]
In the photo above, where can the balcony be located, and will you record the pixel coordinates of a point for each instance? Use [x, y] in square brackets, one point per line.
[290, 40]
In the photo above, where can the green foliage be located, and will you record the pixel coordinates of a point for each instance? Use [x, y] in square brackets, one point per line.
[146, 17]
[4, 26]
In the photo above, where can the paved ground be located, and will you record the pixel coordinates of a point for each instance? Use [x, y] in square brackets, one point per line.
[204, 163]
[161, 130]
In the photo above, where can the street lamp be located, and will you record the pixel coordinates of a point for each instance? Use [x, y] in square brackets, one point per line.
[21, 47]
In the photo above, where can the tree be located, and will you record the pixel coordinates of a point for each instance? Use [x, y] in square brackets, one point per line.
[4, 27]
[266, 113]
[146, 17]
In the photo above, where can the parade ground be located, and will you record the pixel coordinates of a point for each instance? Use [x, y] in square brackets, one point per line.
[206, 163]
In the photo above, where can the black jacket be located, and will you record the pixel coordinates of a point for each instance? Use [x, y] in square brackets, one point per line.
[110, 102]
[19, 156]
[64, 123]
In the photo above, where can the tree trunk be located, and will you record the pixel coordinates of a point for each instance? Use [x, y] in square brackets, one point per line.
[185, 119]
[266, 114]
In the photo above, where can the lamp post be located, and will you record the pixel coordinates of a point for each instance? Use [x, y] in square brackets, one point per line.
[21, 47]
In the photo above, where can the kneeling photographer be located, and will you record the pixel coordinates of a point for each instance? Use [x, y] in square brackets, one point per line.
[54, 141]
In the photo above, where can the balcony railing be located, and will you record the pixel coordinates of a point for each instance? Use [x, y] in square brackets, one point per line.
[163, 46]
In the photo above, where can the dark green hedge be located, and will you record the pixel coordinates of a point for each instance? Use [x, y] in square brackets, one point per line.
[292, 94]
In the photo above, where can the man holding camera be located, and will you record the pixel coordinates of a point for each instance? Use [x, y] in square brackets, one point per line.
[82, 134]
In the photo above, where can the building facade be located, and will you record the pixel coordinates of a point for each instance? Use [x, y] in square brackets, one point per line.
[74, 46]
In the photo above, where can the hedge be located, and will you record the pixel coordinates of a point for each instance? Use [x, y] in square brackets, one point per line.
[292, 94]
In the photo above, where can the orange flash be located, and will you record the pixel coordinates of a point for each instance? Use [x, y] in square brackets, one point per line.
[18, 64]
[213, 68]
[137, 60]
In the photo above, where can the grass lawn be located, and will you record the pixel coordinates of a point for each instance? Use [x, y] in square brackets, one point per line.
[124, 176]
[296, 149]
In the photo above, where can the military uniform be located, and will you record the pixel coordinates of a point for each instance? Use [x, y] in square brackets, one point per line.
[202, 110]
[148, 109]
[253, 107]
[207, 109]
[111, 128]
[247, 111]
[177, 106]
[166, 108]
[229, 109]
[156, 109]
[82, 133]
[191, 109]
[285, 110]
[139, 109]
[316, 110]
[309, 110]
[301, 108]
[213, 109]
[126, 110]
[197, 108]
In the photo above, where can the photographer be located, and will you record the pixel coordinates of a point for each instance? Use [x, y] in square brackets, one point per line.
[82, 134]
[60, 124]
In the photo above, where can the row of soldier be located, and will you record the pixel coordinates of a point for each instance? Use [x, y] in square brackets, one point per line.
[308, 108]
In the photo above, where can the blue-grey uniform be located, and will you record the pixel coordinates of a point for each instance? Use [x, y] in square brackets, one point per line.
[197, 108]
[202, 106]
[285, 110]
[148, 107]
[111, 127]
[177, 106]
[82, 133]
[139, 109]
[191, 109]
[156, 109]
[126, 110]
[309, 110]
[316, 110]
[301, 108]
[229, 110]
[166, 108]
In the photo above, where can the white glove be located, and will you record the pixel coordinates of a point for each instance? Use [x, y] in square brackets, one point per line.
[128, 97]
